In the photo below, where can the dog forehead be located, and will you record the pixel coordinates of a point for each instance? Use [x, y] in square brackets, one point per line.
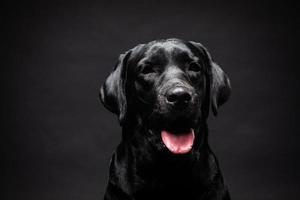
[168, 48]
[166, 52]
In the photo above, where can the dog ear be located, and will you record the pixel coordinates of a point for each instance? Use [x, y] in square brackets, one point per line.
[112, 92]
[220, 88]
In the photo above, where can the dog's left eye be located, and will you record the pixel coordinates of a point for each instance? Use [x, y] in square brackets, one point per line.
[147, 69]
[195, 67]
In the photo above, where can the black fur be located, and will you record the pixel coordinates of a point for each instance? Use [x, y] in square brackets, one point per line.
[137, 91]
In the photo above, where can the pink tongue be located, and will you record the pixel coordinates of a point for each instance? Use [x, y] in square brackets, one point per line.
[178, 144]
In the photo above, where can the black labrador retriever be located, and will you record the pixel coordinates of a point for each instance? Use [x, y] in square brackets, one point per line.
[162, 92]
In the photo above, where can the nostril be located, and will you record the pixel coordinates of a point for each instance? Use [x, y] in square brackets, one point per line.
[186, 97]
[178, 95]
[172, 98]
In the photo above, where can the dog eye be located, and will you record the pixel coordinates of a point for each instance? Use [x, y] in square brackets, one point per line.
[147, 69]
[195, 67]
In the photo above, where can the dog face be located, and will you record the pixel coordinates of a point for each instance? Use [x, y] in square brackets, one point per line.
[171, 81]
[167, 86]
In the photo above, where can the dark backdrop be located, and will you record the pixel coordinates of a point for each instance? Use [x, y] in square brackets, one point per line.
[57, 139]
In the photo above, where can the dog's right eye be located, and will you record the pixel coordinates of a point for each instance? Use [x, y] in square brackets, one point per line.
[147, 69]
[194, 67]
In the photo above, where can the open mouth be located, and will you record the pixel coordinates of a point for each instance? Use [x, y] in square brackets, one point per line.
[178, 142]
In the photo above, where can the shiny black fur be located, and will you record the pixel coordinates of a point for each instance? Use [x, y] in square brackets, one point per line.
[138, 91]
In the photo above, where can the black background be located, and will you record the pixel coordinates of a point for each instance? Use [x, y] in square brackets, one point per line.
[57, 139]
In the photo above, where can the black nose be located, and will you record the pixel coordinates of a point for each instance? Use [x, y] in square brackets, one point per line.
[178, 95]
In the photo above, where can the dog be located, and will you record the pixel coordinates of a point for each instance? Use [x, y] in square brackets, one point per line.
[162, 93]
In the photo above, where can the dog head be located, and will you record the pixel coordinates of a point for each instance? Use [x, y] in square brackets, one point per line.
[167, 86]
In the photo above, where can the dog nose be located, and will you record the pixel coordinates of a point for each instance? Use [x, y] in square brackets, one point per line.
[178, 95]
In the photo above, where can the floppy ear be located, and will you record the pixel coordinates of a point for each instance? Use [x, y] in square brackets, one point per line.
[220, 88]
[112, 92]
